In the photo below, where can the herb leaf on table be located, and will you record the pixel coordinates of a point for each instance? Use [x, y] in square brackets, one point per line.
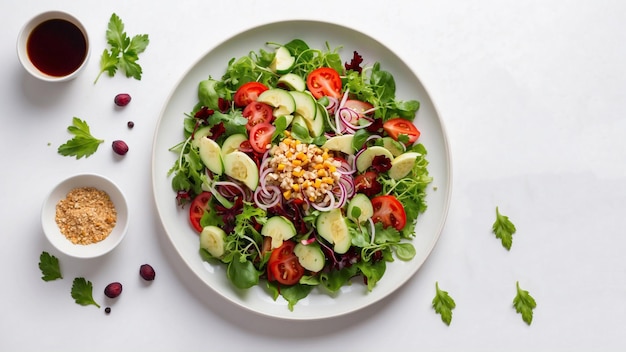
[82, 292]
[524, 304]
[83, 143]
[443, 304]
[49, 266]
[504, 229]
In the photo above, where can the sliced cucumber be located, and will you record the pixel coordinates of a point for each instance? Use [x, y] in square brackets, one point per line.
[292, 82]
[280, 99]
[402, 165]
[241, 167]
[211, 155]
[332, 227]
[299, 121]
[305, 105]
[199, 134]
[341, 143]
[396, 148]
[364, 160]
[283, 61]
[213, 238]
[279, 229]
[310, 256]
[233, 142]
[317, 125]
[363, 203]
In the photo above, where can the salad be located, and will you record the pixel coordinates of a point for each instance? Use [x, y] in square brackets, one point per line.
[301, 171]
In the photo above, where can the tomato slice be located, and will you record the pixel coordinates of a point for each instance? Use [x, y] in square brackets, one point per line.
[324, 81]
[199, 205]
[389, 211]
[399, 126]
[283, 265]
[257, 113]
[248, 93]
[261, 136]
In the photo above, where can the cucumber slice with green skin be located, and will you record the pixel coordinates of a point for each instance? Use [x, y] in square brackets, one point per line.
[341, 143]
[280, 99]
[211, 155]
[317, 125]
[279, 229]
[213, 238]
[199, 134]
[232, 143]
[364, 160]
[310, 256]
[305, 105]
[283, 61]
[396, 148]
[241, 167]
[402, 165]
[332, 227]
[292, 82]
[363, 203]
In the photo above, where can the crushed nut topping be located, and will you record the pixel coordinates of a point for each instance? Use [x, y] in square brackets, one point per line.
[86, 215]
[303, 170]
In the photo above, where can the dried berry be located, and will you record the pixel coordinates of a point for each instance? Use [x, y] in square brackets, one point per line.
[113, 290]
[120, 147]
[122, 99]
[107, 310]
[147, 272]
[130, 124]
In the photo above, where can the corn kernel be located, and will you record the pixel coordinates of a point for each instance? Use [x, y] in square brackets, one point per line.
[295, 187]
[318, 183]
[289, 154]
[332, 168]
[301, 156]
[322, 173]
[325, 155]
[296, 162]
[299, 173]
[280, 167]
[318, 166]
[328, 180]
[287, 194]
[306, 184]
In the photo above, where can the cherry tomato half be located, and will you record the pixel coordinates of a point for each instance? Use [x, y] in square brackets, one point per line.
[389, 211]
[198, 206]
[283, 265]
[324, 81]
[261, 136]
[257, 113]
[248, 93]
[399, 126]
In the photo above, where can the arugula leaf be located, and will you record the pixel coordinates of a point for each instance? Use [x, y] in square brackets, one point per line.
[124, 51]
[49, 266]
[443, 304]
[504, 229]
[82, 292]
[83, 143]
[524, 304]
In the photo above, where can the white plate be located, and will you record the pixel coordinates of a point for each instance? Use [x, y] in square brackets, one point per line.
[169, 132]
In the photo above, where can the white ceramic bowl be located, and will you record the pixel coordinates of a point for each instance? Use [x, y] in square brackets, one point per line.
[22, 42]
[59, 241]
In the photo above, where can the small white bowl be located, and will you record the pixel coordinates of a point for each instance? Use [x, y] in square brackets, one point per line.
[22, 46]
[59, 241]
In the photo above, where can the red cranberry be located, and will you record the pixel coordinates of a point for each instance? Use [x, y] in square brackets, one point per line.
[113, 290]
[147, 272]
[122, 99]
[130, 124]
[120, 147]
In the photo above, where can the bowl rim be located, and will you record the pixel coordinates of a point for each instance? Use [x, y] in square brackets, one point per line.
[59, 191]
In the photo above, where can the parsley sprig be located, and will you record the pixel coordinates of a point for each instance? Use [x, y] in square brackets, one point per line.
[504, 229]
[443, 304]
[49, 266]
[83, 143]
[524, 304]
[124, 51]
[82, 292]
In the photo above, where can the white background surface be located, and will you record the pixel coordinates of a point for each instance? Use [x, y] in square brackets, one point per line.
[531, 93]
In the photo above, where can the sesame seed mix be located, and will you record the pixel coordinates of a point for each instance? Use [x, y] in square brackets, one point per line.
[86, 215]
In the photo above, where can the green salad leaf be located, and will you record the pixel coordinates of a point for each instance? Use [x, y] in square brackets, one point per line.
[83, 144]
[82, 292]
[49, 266]
[504, 229]
[524, 304]
[443, 304]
